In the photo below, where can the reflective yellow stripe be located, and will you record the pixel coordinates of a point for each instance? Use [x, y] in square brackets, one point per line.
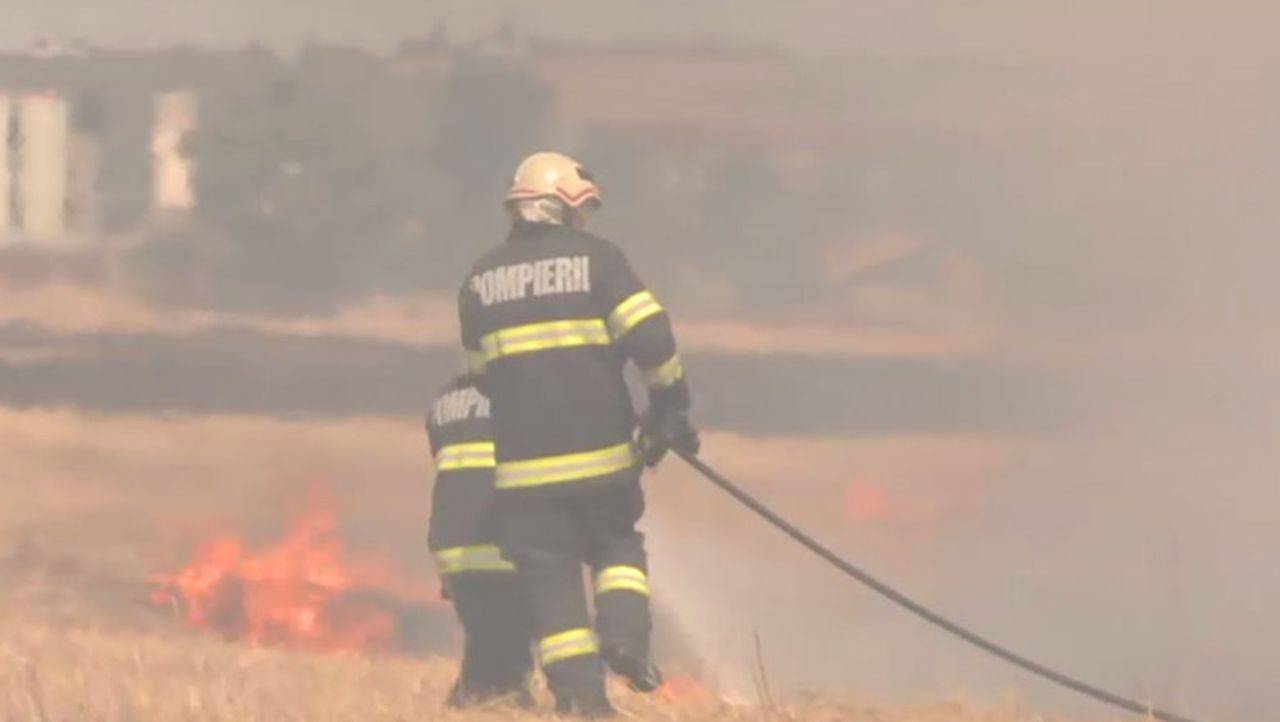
[566, 467]
[611, 579]
[634, 309]
[573, 643]
[669, 372]
[476, 361]
[473, 455]
[543, 336]
[480, 558]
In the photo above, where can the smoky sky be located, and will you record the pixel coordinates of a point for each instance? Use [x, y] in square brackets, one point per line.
[1001, 28]
[1113, 172]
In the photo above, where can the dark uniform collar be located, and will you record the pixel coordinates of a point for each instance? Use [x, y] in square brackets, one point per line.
[523, 229]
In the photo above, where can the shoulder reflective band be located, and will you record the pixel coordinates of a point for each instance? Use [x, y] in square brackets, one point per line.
[632, 579]
[634, 309]
[473, 455]
[481, 558]
[662, 376]
[573, 643]
[567, 467]
[544, 336]
[476, 362]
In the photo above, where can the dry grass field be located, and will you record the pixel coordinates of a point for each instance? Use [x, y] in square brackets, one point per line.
[80, 648]
[97, 508]
[58, 673]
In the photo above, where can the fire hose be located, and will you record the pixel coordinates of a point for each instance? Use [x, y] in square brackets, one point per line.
[920, 610]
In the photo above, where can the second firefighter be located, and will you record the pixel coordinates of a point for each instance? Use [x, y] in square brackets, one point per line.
[482, 585]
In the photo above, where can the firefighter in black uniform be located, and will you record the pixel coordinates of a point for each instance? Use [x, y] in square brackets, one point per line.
[549, 319]
[486, 595]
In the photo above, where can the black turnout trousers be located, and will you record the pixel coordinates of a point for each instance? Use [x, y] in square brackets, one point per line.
[549, 538]
[496, 658]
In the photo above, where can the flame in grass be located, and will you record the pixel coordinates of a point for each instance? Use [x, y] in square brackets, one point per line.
[305, 591]
[685, 689]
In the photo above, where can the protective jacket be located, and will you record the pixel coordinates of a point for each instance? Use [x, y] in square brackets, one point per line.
[549, 319]
[486, 594]
[461, 438]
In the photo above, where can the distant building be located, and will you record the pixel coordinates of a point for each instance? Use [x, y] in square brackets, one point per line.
[171, 177]
[42, 166]
[96, 143]
[99, 142]
[6, 176]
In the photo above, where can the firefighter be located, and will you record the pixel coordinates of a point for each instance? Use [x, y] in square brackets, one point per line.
[483, 586]
[549, 319]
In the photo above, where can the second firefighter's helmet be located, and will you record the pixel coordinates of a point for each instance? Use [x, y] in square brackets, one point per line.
[553, 175]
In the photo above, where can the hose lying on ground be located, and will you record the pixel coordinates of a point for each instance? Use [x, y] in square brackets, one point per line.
[921, 611]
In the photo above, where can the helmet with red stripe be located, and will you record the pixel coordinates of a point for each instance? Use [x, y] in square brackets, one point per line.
[554, 175]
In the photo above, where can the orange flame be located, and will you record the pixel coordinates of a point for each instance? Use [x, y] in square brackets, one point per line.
[304, 592]
[867, 501]
[681, 689]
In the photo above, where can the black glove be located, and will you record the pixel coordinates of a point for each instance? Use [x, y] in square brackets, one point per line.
[661, 431]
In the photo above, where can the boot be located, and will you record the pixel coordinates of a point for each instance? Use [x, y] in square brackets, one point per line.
[462, 695]
[578, 686]
[642, 675]
[600, 708]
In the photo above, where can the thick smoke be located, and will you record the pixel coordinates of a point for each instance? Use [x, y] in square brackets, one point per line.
[1089, 187]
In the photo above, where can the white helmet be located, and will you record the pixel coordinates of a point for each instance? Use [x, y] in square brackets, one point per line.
[553, 175]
